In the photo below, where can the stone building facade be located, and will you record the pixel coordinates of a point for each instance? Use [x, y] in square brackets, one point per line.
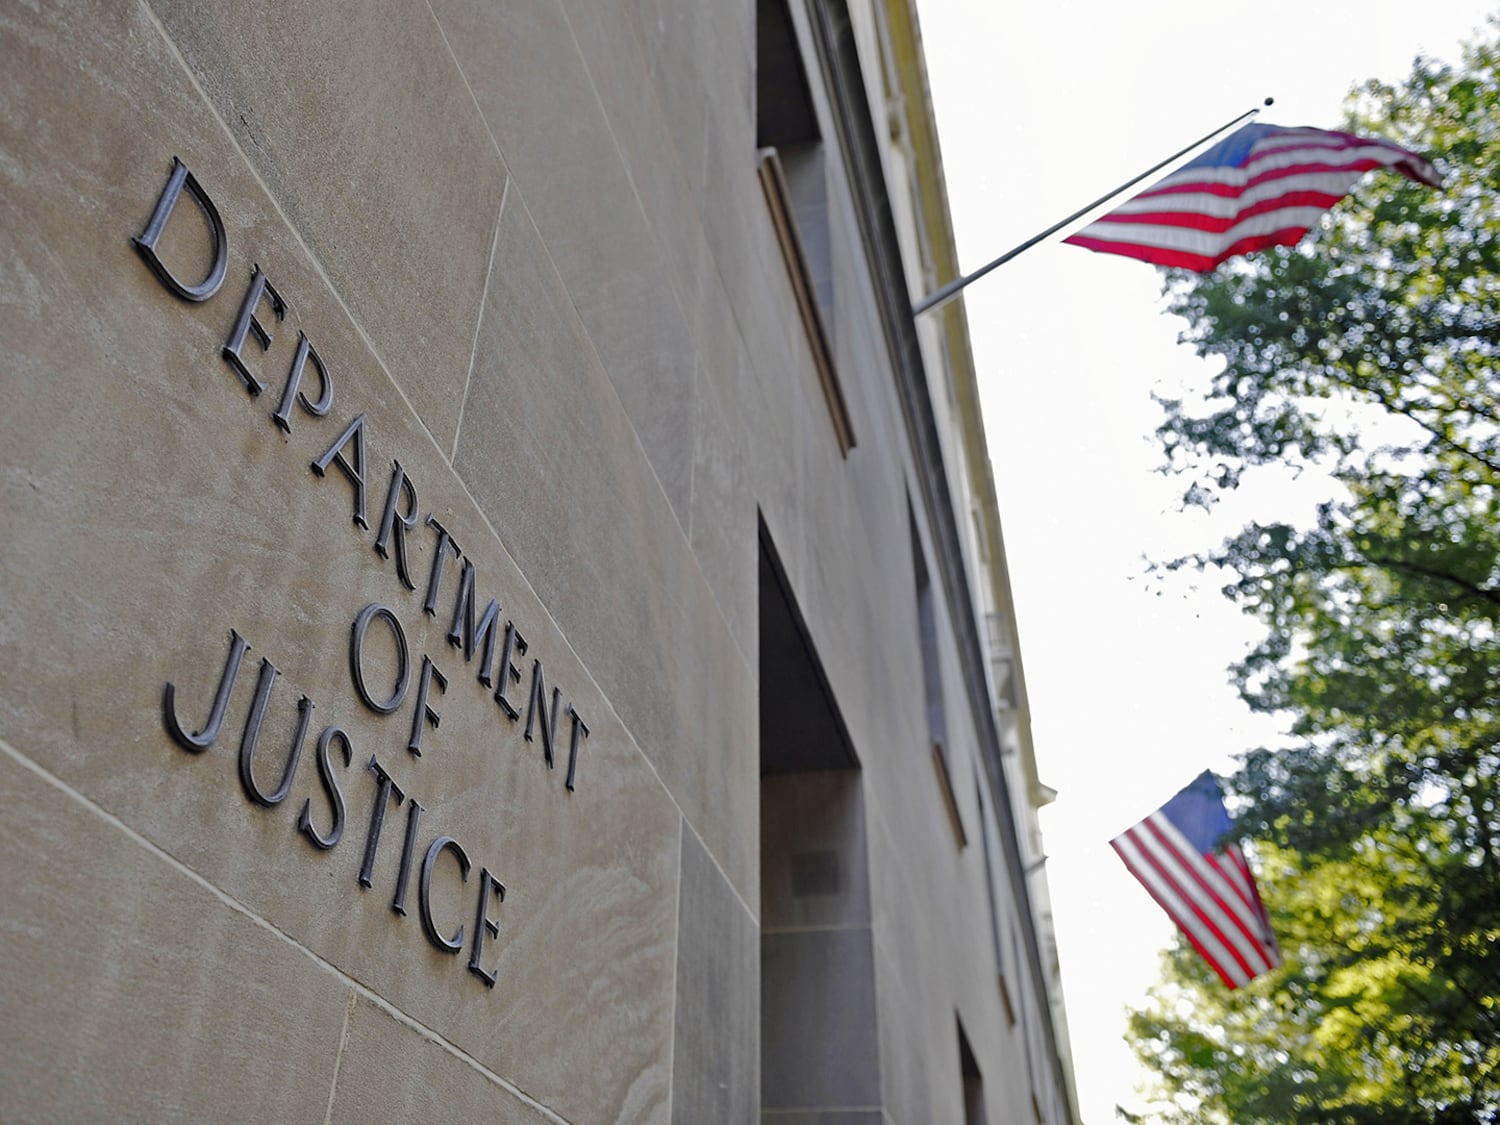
[502, 611]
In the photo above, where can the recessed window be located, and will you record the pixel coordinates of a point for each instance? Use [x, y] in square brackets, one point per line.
[792, 165]
[932, 681]
[820, 1036]
[986, 842]
[1003, 661]
[973, 1081]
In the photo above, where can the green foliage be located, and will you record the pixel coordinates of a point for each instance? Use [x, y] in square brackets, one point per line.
[1361, 1023]
[1372, 352]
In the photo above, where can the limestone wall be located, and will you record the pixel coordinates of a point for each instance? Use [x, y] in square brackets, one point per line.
[379, 627]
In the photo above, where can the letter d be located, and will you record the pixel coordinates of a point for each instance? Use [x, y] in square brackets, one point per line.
[146, 243]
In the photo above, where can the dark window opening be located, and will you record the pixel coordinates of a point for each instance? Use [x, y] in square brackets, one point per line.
[819, 1027]
[786, 121]
[973, 1081]
[932, 681]
[793, 173]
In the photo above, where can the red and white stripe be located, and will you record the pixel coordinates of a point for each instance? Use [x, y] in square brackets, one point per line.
[1201, 215]
[1212, 898]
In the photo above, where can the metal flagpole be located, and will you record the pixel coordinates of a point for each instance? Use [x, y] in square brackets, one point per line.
[951, 290]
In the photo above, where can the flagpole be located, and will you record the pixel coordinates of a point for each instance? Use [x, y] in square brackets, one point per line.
[952, 289]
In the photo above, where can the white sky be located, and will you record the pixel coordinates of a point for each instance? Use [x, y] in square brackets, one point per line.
[1042, 108]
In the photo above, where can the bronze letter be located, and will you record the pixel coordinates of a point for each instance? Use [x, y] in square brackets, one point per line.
[423, 711]
[354, 432]
[464, 634]
[178, 179]
[356, 658]
[400, 486]
[538, 702]
[440, 556]
[483, 923]
[514, 645]
[305, 352]
[424, 893]
[251, 738]
[579, 728]
[197, 743]
[385, 789]
[331, 787]
[248, 322]
[408, 853]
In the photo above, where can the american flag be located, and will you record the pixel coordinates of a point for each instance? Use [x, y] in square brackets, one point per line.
[1181, 855]
[1263, 185]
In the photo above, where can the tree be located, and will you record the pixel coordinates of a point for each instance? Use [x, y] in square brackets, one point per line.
[1358, 1026]
[1371, 352]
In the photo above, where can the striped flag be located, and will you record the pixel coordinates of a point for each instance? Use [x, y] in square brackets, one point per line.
[1182, 856]
[1263, 185]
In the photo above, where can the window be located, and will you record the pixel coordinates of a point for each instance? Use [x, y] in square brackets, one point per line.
[973, 1081]
[792, 173]
[932, 680]
[820, 1041]
[1002, 661]
[989, 886]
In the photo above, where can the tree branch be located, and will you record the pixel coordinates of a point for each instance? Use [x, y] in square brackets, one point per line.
[1463, 585]
[1438, 430]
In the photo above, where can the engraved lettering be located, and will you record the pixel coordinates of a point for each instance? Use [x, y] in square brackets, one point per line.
[580, 732]
[353, 433]
[293, 388]
[424, 893]
[247, 322]
[513, 646]
[197, 743]
[472, 629]
[385, 789]
[423, 715]
[538, 702]
[439, 558]
[146, 241]
[408, 853]
[390, 522]
[251, 738]
[464, 634]
[330, 788]
[484, 924]
[356, 658]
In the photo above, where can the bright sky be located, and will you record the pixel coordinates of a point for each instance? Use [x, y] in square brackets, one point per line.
[1043, 107]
